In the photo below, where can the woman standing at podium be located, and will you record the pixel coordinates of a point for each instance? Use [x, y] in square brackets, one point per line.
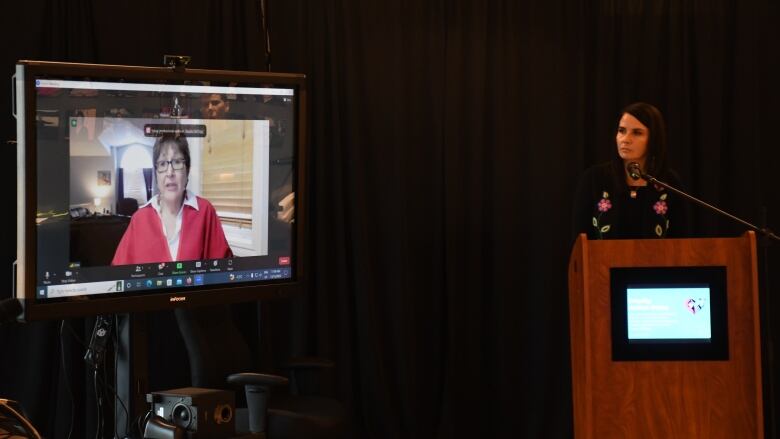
[610, 204]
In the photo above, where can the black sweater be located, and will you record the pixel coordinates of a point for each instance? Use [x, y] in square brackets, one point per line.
[605, 207]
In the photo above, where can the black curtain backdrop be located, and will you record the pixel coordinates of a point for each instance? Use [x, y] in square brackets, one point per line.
[446, 138]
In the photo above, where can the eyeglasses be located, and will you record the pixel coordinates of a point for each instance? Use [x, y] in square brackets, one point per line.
[176, 164]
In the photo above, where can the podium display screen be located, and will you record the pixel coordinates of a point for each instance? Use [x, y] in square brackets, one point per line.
[669, 313]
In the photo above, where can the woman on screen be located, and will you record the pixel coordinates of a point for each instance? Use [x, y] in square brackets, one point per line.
[610, 204]
[175, 225]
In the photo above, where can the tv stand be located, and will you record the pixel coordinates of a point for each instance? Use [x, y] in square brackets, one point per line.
[132, 371]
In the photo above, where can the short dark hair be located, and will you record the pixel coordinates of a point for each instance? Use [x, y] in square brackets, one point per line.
[651, 117]
[179, 141]
[205, 97]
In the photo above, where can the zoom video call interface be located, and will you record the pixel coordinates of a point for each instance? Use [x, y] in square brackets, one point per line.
[145, 187]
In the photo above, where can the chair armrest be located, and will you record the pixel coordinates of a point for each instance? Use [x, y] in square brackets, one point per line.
[256, 379]
[257, 388]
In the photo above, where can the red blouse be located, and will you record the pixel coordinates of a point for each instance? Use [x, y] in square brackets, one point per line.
[201, 237]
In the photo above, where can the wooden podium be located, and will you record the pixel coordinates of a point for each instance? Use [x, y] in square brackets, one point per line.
[664, 399]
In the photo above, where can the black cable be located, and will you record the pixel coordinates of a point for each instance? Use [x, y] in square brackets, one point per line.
[116, 395]
[117, 398]
[97, 404]
[77, 338]
[102, 378]
[105, 383]
[103, 399]
[266, 33]
[66, 379]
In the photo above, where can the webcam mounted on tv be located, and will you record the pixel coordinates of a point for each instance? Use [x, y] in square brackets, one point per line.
[177, 62]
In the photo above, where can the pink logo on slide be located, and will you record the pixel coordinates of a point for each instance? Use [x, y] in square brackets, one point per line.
[693, 306]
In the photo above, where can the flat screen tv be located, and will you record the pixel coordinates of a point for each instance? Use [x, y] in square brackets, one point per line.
[144, 188]
[669, 313]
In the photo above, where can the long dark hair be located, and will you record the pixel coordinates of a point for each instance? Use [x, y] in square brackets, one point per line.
[655, 162]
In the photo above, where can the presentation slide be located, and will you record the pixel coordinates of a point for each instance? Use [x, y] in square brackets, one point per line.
[668, 313]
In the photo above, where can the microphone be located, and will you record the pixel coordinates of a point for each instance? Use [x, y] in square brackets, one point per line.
[634, 171]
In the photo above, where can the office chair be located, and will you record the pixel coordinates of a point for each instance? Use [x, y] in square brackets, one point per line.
[126, 206]
[219, 354]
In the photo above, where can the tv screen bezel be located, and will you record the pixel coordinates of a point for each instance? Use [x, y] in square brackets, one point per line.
[25, 267]
[714, 349]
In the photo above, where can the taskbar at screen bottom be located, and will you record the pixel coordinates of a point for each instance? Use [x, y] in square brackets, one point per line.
[156, 283]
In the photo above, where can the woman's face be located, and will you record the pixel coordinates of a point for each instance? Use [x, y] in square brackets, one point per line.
[171, 182]
[631, 139]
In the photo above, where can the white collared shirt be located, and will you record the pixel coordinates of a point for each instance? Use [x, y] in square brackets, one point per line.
[173, 241]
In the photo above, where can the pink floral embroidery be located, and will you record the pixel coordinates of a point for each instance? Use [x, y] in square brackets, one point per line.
[603, 206]
[660, 207]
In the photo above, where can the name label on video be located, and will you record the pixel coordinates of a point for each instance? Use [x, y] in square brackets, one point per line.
[158, 129]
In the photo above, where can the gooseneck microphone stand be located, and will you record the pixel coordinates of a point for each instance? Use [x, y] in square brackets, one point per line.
[768, 237]
[635, 172]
